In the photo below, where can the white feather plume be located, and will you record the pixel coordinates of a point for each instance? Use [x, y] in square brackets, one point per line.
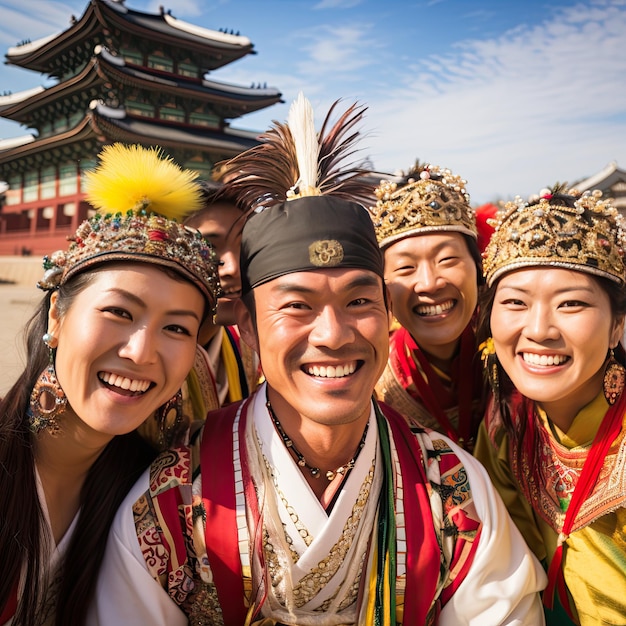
[301, 124]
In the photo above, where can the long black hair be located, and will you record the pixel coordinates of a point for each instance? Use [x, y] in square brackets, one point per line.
[24, 542]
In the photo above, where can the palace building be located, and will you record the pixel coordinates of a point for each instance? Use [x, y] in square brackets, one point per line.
[119, 75]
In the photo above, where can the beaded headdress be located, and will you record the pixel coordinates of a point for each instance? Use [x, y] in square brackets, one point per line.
[307, 211]
[138, 195]
[563, 228]
[428, 199]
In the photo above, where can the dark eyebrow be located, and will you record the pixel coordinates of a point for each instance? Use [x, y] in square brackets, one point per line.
[363, 280]
[139, 302]
[559, 292]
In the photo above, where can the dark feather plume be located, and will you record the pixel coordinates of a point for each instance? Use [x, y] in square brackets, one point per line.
[263, 175]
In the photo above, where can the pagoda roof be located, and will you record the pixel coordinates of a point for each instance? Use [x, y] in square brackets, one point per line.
[104, 124]
[229, 101]
[116, 125]
[604, 179]
[216, 48]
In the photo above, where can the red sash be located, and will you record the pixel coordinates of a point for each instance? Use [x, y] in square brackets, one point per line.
[222, 542]
[430, 391]
[218, 497]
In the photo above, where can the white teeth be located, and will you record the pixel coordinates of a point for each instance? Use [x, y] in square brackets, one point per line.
[544, 359]
[332, 371]
[124, 383]
[435, 309]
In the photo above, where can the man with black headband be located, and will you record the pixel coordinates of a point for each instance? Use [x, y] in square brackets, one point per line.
[308, 503]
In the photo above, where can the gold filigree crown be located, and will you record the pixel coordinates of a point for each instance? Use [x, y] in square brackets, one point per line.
[429, 199]
[564, 228]
[139, 196]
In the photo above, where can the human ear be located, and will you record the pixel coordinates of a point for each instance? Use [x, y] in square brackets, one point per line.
[246, 325]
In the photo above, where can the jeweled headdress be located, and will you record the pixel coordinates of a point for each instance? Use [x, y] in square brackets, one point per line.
[563, 228]
[138, 195]
[428, 199]
[307, 212]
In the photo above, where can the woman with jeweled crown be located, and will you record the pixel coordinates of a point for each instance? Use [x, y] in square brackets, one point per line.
[553, 437]
[108, 349]
[427, 231]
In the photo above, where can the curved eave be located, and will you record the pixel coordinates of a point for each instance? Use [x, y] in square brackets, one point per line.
[605, 178]
[21, 112]
[72, 141]
[229, 101]
[38, 57]
[117, 126]
[217, 49]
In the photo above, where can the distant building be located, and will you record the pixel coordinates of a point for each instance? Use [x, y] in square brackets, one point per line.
[122, 75]
[611, 181]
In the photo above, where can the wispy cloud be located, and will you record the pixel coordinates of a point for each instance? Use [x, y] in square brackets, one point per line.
[515, 113]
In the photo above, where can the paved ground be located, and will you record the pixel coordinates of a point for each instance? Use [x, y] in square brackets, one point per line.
[17, 303]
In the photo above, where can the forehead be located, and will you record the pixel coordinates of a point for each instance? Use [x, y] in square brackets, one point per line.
[545, 279]
[217, 217]
[323, 282]
[426, 243]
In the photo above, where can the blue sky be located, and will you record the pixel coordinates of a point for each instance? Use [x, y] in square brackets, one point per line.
[513, 96]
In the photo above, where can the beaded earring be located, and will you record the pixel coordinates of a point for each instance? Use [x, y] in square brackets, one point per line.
[47, 399]
[170, 421]
[614, 378]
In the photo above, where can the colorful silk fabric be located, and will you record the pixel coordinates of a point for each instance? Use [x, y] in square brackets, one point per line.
[537, 494]
[244, 545]
[449, 404]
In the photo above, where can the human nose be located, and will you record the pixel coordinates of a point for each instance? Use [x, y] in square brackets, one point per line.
[140, 347]
[426, 278]
[229, 263]
[540, 324]
[331, 330]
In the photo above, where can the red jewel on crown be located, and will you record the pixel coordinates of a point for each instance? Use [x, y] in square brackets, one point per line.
[157, 235]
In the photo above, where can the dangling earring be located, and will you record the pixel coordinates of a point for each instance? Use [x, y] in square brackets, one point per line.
[169, 418]
[614, 378]
[47, 399]
[490, 365]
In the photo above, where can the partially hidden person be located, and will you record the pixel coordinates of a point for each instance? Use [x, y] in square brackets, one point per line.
[426, 229]
[226, 369]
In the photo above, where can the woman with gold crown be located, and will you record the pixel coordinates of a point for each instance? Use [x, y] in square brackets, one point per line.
[427, 231]
[553, 438]
[108, 348]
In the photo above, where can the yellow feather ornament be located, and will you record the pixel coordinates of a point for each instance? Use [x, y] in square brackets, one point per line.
[131, 177]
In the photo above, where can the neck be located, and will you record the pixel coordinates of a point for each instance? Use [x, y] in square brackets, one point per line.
[324, 453]
[563, 412]
[441, 356]
[63, 461]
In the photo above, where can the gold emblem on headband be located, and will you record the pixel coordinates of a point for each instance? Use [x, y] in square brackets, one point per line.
[325, 253]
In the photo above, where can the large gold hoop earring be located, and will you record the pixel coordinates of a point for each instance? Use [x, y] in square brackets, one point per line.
[47, 399]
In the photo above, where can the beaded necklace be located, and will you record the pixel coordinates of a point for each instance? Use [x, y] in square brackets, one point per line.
[316, 472]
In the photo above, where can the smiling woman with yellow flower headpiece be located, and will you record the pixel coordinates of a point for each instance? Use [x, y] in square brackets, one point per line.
[554, 438]
[108, 348]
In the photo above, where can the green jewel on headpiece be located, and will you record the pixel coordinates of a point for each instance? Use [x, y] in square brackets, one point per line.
[139, 196]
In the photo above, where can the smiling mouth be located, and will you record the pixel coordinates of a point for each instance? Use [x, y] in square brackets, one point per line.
[124, 384]
[333, 371]
[230, 294]
[428, 310]
[544, 359]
